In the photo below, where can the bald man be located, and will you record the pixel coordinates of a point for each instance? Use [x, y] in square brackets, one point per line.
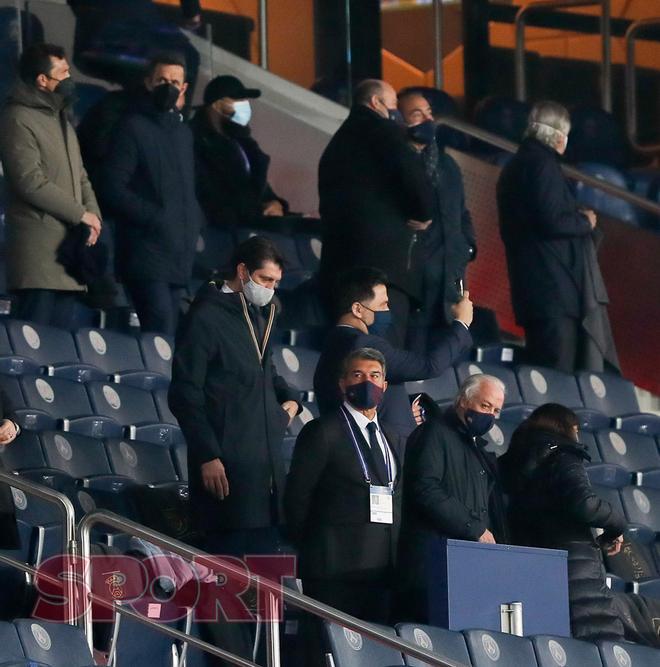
[374, 200]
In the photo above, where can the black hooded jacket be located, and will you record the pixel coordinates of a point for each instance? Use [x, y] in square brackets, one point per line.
[228, 404]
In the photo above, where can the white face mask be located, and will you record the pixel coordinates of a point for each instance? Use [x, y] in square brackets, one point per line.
[242, 113]
[257, 294]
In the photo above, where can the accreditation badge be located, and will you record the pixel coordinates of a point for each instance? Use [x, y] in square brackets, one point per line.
[380, 504]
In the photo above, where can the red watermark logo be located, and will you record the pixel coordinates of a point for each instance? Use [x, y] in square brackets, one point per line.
[163, 587]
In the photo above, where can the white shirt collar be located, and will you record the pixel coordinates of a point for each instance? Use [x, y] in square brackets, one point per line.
[360, 419]
[226, 289]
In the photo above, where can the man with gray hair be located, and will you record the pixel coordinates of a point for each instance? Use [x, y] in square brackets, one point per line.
[557, 290]
[451, 487]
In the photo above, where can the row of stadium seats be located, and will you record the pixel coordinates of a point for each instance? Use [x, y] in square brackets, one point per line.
[481, 648]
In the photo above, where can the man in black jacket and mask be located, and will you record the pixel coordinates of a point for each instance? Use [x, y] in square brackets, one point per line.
[374, 199]
[451, 486]
[231, 168]
[148, 184]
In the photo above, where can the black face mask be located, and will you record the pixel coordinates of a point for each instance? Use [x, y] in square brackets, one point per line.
[165, 96]
[424, 133]
[364, 395]
[66, 89]
[395, 115]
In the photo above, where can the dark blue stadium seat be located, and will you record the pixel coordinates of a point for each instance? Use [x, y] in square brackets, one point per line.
[614, 583]
[12, 390]
[309, 250]
[351, 649]
[445, 643]
[644, 423]
[598, 200]
[127, 405]
[285, 244]
[443, 388]
[610, 394]
[642, 506]
[496, 353]
[296, 366]
[540, 385]
[143, 462]
[163, 407]
[592, 420]
[5, 345]
[488, 648]
[608, 474]
[77, 455]
[611, 495]
[157, 350]
[499, 437]
[10, 644]
[179, 452]
[467, 368]
[214, 250]
[620, 654]
[309, 411]
[517, 412]
[632, 451]
[648, 588]
[24, 453]
[588, 439]
[56, 644]
[554, 651]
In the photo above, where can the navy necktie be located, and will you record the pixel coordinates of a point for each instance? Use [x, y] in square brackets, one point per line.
[377, 452]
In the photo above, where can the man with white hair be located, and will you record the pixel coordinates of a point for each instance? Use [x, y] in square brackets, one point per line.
[557, 290]
[451, 486]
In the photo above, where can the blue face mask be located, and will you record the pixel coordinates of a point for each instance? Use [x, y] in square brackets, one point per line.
[478, 423]
[424, 133]
[382, 321]
[364, 395]
[395, 115]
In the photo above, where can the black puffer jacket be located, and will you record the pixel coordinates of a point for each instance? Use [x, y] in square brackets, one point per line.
[553, 505]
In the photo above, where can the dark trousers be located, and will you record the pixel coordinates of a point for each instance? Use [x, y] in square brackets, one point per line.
[157, 304]
[399, 303]
[563, 344]
[55, 308]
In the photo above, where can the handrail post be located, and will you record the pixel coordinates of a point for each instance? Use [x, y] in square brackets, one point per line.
[273, 631]
[263, 33]
[519, 56]
[209, 41]
[438, 74]
[19, 23]
[606, 65]
[349, 53]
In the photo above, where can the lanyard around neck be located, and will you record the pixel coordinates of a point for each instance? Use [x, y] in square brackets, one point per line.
[261, 349]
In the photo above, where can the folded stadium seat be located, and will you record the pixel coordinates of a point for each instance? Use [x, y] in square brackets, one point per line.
[135, 643]
[12, 391]
[539, 385]
[554, 651]
[497, 353]
[592, 420]
[52, 402]
[615, 397]
[309, 251]
[157, 351]
[633, 451]
[649, 588]
[179, 451]
[213, 252]
[467, 368]
[598, 200]
[77, 455]
[309, 411]
[612, 496]
[642, 506]
[51, 348]
[135, 409]
[5, 345]
[297, 366]
[56, 644]
[588, 439]
[143, 462]
[10, 645]
[119, 356]
[351, 649]
[623, 654]
[440, 389]
[12, 362]
[488, 648]
[285, 244]
[609, 475]
[163, 407]
[24, 453]
[444, 642]
[614, 583]
[310, 337]
[499, 436]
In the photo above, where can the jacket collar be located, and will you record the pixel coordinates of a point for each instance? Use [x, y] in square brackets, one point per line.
[29, 96]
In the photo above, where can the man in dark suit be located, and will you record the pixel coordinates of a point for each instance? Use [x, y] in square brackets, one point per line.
[557, 290]
[374, 199]
[343, 497]
[362, 300]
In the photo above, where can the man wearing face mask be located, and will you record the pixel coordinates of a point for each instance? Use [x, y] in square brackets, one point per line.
[343, 495]
[232, 170]
[49, 192]
[451, 484]
[148, 184]
[449, 243]
[374, 200]
[361, 297]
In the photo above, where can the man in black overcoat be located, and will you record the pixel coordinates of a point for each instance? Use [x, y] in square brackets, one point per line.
[374, 199]
[557, 290]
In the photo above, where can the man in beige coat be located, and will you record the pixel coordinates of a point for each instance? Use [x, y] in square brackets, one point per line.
[47, 186]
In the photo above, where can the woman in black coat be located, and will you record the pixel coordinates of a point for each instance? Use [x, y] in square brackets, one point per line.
[553, 505]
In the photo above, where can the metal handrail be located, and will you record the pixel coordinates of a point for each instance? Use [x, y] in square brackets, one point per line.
[631, 84]
[570, 172]
[274, 591]
[263, 33]
[606, 65]
[438, 74]
[69, 546]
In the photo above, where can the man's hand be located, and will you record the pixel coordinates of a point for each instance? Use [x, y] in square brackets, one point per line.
[291, 407]
[215, 479]
[94, 223]
[7, 432]
[273, 209]
[418, 226]
[612, 548]
[417, 411]
[463, 310]
[487, 537]
[591, 217]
